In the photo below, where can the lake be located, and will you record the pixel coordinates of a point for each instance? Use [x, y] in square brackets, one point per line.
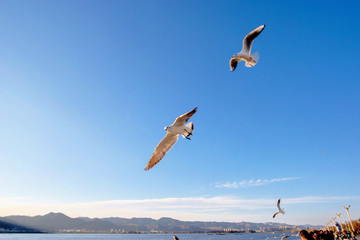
[238, 236]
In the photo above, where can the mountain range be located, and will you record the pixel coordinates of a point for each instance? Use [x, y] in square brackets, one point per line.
[58, 222]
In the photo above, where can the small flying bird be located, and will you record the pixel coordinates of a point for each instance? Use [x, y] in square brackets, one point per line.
[175, 237]
[173, 132]
[280, 210]
[285, 237]
[250, 60]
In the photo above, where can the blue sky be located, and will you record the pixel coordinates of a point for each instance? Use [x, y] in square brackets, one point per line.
[88, 86]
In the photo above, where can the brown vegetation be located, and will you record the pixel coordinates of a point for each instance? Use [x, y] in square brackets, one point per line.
[356, 225]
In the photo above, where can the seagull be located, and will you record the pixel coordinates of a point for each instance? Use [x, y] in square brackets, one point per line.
[250, 60]
[280, 210]
[173, 132]
[285, 237]
[175, 237]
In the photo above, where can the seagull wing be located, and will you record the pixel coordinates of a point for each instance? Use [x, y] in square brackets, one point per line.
[285, 237]
[161, 149]
[247, 42]
[175, 237]
[233, 63]
[181, 120]
[278, 204]
[275, 214]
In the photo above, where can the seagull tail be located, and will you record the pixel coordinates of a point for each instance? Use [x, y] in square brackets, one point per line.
[189, 129]
[254, 59]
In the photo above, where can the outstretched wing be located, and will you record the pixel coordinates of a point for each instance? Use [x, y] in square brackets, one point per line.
[247, 42]
[233, 63]
[278, 204]
[181, 120]
[285, 237]
[275, 214]
[175, 237]
[161, 149]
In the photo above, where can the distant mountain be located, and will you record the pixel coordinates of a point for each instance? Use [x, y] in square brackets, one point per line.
[58, 222]
[9, 227]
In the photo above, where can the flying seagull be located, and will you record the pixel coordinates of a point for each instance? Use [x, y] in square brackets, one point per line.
[280, 210]
[285, 237]
[175, 237]
[250, 60]
[173, 132]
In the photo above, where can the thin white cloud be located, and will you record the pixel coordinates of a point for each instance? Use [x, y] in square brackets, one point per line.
[252, 183]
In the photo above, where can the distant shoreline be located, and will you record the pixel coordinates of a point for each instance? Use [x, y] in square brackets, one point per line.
[60, 223]
[159, 233]
[219, 233]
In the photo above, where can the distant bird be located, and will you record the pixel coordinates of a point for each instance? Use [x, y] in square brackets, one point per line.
[173, 132]
[280, 210]
[175, 237]
[250, 60]
[285, 237]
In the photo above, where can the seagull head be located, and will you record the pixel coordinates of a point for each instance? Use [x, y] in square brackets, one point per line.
[166, 128]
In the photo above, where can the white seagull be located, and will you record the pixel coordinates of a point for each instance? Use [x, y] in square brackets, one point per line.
[173, 132]
[250, 60]
[280, 210]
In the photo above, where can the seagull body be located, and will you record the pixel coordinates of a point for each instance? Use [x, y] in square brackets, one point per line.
[176, 129]
[173, 132]
[282, 211]
[250, 60]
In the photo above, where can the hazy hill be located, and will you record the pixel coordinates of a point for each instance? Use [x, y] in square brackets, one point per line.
[58, 222]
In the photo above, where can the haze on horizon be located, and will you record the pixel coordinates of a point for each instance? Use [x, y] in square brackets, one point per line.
[86, 90]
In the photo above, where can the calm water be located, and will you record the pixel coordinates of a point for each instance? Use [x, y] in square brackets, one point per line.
[242, 236]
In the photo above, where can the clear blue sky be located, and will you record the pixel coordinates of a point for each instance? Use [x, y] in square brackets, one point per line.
[88, 86]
